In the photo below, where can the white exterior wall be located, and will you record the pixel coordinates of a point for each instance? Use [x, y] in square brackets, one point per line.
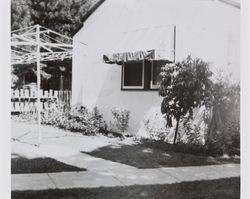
[207, 29]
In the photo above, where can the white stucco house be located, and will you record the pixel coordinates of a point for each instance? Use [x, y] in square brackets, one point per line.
[118, 52]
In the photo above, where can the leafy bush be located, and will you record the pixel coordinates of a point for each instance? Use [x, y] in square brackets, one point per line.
[224, 128]
[154, 127]
[53, 114]
[193, 129]
[25, 117]
[192, 132]
[121, 117]
[98, 119]
[80, 119]
[76, 119]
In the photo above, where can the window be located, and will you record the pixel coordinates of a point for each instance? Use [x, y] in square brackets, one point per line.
[141, 75]
[133, 75]
[155, 72]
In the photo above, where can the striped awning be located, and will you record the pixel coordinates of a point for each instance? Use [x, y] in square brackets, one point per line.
[129, 56]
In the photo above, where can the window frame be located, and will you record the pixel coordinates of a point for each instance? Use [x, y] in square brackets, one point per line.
[153, 86]
[123, 87]
[147, 85]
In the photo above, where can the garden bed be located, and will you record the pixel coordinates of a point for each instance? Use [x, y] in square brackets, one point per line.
[222, 188]
[40, 165]
[148, 155]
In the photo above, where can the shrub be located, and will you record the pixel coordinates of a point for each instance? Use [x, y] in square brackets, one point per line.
[25, 117]
[192, 132]
[75, 119]
[80, 119]
[53, 114]
[154, 127]
[193, 129]
[98, 119]
[224, 129]
[121, 117]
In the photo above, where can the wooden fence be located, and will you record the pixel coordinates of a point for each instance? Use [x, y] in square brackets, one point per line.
[24, 100]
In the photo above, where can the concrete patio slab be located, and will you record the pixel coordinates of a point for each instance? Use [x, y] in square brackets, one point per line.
[55, 142]
[203, 172]
[109, 178]
[92, 163]
[83, 179]
[145, 177]
[31, 182]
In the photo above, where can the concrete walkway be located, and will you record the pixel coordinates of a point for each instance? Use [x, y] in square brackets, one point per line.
[64, 146]
[105, 173]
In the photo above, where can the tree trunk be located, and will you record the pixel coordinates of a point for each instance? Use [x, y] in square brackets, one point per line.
[176, 131]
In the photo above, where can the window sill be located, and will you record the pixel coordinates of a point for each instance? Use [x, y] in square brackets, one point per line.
[139, 89]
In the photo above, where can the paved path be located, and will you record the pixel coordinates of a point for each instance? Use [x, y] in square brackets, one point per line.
[105, 173]
[65, 147]
[55, 142]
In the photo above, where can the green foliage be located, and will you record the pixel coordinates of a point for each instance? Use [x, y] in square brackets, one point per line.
[224, 128]
[153, 126]
[63, 16]
[30, 117]
[53, 115]
[19, 72]
[20, 14]
[97, 118]
[192, 132]
[184, 86]
[75, 119]
[121, 118]
[78, 119]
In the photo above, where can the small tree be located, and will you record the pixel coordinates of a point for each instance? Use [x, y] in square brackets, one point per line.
[184, 86]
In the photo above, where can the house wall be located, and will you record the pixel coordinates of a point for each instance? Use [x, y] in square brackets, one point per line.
[206, 29]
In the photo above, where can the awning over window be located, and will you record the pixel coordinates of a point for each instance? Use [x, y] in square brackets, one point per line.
[129, 56]
[155, 43]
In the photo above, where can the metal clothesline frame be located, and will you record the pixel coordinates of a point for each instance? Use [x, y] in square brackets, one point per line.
[36, 44]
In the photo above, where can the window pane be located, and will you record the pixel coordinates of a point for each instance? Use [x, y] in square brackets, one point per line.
[133, 74]
[156, 71]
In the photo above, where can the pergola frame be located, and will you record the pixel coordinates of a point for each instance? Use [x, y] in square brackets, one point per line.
[38, 44]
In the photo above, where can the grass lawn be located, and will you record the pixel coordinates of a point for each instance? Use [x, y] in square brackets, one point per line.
[153, 155]
[221, 189]
[40, 165]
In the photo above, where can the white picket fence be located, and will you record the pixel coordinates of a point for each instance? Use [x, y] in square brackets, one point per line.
[24, 100]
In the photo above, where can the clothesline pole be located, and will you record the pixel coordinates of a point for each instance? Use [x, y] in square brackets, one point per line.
[29, 46]
[38, 85]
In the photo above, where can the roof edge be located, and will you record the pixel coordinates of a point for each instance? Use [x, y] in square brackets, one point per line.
[231, 2]
[88, 14]
[99, 3]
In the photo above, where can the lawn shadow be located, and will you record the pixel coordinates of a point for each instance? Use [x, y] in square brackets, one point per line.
[149, 156]
[20, 165]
